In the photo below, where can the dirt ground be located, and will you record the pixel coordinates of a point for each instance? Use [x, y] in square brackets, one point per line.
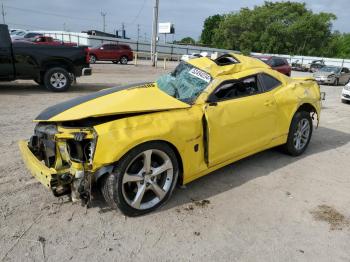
[269, 207]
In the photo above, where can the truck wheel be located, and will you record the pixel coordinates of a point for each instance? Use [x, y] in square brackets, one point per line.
[300, 133]
[93, 59]
[57, 79]
[143, 180]
[124, 60]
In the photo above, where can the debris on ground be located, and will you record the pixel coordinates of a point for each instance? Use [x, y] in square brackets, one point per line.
[196, 233]
[335, 219]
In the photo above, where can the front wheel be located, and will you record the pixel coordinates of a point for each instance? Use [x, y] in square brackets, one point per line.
[143, 180]
[300, 133]
[57, 79]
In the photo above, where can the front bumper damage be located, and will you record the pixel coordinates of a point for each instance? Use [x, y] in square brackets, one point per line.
[61, 159]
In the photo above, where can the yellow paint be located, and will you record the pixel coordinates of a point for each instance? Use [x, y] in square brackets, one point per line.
[36, 167]
[236, 128]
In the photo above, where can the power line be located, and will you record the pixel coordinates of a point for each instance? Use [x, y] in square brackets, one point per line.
[139, 13]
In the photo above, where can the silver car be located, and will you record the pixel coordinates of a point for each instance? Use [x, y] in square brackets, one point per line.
[333, 75]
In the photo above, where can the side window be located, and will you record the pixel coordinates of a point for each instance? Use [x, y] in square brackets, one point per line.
[107, 47]
[236, 89]
[269, 82]
[279, 62]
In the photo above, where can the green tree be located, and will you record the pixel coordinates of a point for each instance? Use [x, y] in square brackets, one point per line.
[210, 24]
[188, 41]
[276, 27]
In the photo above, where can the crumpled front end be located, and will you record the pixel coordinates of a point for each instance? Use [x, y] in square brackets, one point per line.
[61, 158]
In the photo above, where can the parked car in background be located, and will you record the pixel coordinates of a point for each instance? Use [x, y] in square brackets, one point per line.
[116, 53]
[279, 64]
[345, 96]
[47, 40]
[32, 34]
[297, 66]
[17, 34]
[316, 65]
[55, 67]
[332, 75]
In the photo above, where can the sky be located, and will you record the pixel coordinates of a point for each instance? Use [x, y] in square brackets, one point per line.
[187, 16]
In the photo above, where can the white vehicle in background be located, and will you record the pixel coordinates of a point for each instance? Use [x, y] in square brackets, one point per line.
[18, 34]
[193, 55]
[345, 96]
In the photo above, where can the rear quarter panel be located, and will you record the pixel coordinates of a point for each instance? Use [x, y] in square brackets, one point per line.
[292, 96]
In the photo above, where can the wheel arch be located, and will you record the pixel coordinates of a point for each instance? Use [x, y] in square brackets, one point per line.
[100, 173]
[307, 107]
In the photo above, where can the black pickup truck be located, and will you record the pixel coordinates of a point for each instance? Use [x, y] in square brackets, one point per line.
[55, 67]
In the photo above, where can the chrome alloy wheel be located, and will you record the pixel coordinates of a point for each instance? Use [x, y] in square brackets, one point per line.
[147, 179]
[302, 134]
[58, 80]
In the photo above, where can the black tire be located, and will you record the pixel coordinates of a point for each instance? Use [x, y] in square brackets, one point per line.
[124, 60]
[63, 79]
[336, 82]
[290, 147]
[112, 184]
[92, 59]
[344, 101]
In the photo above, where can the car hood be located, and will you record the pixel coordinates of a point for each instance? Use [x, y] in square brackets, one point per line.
[138, 98]
[325, 74]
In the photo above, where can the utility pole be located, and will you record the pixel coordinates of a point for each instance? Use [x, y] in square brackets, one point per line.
[3, 13]
[103, 14]
[138, 32]
[155, 32]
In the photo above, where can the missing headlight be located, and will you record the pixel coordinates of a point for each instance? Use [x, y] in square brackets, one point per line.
[80, 151]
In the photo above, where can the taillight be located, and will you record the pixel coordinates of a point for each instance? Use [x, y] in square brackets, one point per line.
[87, 55]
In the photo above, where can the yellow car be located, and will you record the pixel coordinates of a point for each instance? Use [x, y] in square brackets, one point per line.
[137, 142]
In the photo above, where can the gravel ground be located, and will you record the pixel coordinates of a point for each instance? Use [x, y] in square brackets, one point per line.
[268, 207]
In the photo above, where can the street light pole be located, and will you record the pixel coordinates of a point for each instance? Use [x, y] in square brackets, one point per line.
[103, 14]
[3, 13]
[155, 32]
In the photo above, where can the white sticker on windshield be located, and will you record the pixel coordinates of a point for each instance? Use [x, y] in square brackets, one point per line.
[200, 74]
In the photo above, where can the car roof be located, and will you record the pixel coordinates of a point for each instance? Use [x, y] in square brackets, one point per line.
[239, 63]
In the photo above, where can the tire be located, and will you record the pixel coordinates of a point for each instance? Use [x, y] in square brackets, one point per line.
[297, 134]
[344, 101]
[57, 79]
[124, 60]
[93, 59]
[131, 179]
[336, 82]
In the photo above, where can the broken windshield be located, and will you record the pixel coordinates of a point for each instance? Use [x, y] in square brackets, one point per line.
[186, 83]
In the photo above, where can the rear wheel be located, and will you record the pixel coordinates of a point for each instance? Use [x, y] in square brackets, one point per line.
[143, 180]
[123, 60]
[57, 79]
[93, 59]
[300, 133]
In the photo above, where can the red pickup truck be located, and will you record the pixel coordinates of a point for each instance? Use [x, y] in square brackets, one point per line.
[111, 52]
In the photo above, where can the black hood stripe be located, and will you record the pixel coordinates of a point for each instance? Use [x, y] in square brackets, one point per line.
[61, 107]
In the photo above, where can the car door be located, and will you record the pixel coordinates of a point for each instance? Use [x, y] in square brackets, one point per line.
[241, 118]
[103, 52]
[344, 76]
[6, 62]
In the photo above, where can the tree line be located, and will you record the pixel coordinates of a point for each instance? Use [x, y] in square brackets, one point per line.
[278, 28]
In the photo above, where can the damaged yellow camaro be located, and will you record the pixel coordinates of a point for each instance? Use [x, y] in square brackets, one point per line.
[138, 142]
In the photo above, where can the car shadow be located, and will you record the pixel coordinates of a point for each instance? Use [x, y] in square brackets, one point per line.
[259, 165]
[243, 171]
